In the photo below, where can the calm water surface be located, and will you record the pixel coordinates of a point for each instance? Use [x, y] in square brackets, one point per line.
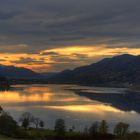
[78, 105]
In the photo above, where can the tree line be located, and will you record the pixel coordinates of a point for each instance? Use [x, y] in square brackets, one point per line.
[29, 124]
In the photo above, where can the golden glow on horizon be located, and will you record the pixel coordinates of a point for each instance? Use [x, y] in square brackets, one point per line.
[42, 62]
[12, 59]
[94, 50]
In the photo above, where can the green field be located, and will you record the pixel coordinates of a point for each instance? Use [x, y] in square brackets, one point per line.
[6, 138]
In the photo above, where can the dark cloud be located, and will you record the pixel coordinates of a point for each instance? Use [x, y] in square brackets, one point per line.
[54, 23]
[50, 53]
[7, 15]
[31, 26]
[27, 60]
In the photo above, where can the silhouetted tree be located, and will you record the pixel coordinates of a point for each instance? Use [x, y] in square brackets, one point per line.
[72, 128]
[86, 130]
[1, 109]
[8, 125]
[60, 127]
[41, 124]
[103, 127]
[121, 129]
[36, 121]
[26, 119]
[94, 128]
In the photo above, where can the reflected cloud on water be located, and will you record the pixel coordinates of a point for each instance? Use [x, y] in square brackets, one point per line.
[84, 104]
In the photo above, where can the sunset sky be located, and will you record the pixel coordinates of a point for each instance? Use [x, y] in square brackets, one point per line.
[53, 35]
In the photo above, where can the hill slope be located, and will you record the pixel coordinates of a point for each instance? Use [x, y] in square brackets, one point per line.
[12, 72]
[121, 70]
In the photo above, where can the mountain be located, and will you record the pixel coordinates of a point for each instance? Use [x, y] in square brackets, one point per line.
[122, 70]
[48, 74]
[12, 72]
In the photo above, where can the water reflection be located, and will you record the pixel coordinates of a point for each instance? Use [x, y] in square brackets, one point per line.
[14, 97]
[127, 101]
[76, 104]
[98, 108]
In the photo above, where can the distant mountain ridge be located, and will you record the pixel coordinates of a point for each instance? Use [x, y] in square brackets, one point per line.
[122, 70]
[119, 70]
[12, 72]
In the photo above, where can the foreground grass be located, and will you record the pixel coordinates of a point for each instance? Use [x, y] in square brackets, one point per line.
[45, 134]
[5, 138]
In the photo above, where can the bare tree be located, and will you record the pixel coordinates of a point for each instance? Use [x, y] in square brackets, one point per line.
[26, 119]
[36, 121]
[41, 124]
[121, 129]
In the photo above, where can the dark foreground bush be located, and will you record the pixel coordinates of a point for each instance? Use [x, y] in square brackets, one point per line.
[8, 125]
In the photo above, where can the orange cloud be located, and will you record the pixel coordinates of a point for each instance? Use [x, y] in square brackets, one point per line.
[62, 58]
[13, 59]
[97, 50]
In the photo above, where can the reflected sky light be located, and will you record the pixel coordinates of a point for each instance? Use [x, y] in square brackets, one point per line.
[50, 102]
[98, 108]
[10, 97]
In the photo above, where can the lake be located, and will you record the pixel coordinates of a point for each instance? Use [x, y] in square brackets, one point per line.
[78, 105]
